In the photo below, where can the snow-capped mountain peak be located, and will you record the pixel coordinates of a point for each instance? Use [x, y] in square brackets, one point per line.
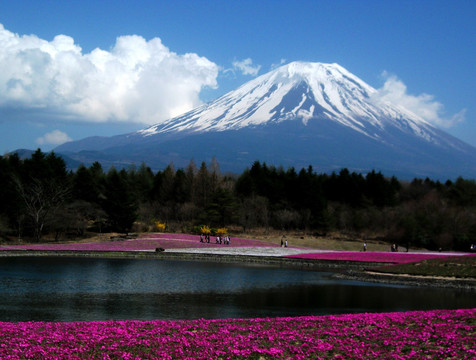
[300, 91]
[297, 115]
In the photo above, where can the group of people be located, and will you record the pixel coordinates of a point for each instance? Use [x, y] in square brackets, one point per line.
[219, 239]
[205, 238]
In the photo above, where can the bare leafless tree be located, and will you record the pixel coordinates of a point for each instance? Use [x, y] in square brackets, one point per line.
[41, 200]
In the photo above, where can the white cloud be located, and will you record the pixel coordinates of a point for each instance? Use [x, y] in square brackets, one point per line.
[136, 80]
[424, 105]
[246, 67]
[56, 137]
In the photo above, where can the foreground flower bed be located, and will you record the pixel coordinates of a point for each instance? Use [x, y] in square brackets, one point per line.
[144, 243]
[371, 256]
[440, 334]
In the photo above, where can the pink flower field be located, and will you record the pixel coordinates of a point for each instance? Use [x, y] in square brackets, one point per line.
[370, 256]
[145, 242]
[440, 334]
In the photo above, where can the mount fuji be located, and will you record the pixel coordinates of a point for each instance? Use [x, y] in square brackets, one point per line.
[297, 115]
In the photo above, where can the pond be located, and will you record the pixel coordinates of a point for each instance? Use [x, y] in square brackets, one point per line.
[88, 289]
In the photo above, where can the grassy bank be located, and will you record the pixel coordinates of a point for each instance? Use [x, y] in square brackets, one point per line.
[463, 267]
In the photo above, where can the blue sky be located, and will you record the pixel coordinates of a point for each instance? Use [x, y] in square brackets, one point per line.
[69, 69]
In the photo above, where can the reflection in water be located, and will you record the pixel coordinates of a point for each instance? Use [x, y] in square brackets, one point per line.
[75, 289]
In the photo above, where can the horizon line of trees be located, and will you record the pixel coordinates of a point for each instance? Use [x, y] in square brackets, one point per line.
[40, 196]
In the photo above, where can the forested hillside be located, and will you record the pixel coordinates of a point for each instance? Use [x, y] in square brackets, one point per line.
[41, 199]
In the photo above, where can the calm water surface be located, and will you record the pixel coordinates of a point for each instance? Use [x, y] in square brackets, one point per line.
[77, 289]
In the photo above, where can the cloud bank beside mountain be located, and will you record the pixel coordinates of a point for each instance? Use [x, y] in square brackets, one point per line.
[424, 105]
[137, 80]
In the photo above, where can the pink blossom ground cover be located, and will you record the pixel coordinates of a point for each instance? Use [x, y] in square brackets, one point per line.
[370, 256]
[144, 242]
[440, 334]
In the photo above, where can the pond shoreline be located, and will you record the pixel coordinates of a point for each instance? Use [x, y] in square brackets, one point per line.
[350, 270]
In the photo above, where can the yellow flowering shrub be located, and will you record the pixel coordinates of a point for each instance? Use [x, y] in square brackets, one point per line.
[161, 227]
[222, 231]
[205, 230]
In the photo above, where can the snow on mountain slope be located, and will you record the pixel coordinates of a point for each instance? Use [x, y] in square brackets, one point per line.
[300, 91]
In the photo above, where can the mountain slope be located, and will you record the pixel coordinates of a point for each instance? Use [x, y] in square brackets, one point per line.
[297, 115]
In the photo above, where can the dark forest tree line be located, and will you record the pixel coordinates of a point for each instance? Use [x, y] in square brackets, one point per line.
[39, 196]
